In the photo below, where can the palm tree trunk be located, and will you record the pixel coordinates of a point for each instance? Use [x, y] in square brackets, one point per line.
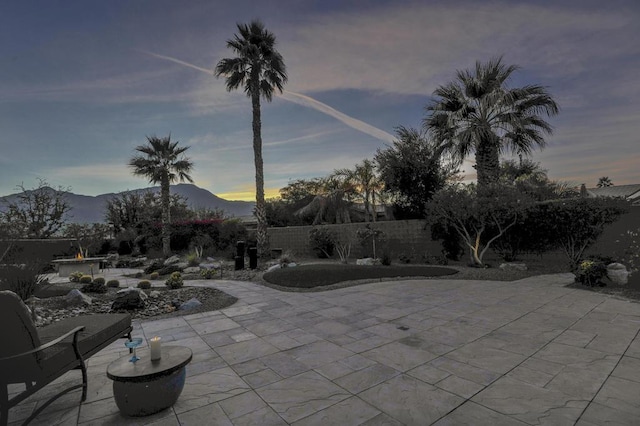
[166, 216]
[487, 163]
[260, 212]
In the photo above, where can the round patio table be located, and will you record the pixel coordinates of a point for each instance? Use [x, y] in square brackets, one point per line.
[146, 387]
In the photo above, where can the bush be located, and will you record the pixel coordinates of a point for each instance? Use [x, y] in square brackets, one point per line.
[193, 259]
[144, 284]
[94, 287]
[175, 281]
[74, 277]
[154, 276]
[169, 269]
[86, 279]
[591, 272]
[207, 274]
[386, 258]
[99, 280]
[139, 275]
[113, 283]
[22, 280]
[322, 241]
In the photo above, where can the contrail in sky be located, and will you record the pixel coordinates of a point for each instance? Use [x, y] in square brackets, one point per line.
[305, 101]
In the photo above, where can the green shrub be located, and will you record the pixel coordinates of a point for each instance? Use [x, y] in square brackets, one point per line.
[207, 274]
[139, 275]
[175, 281]
[386, 258]
[74, 277]
[154, 275]
[99, 280]
[591, 272]
[193, 259]
[170, 269]
[144, 284]
[323, 241]
[86, 279]
[113, 283]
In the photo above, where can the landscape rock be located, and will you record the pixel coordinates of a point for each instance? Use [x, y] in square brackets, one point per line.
[618, 273]
[190, 304]
[154, 294]
[274, 267]
[513, 267]
[192, 270]
[367, 261]
[128, 299]
[76, 298]
[173, 259]
[182, 265]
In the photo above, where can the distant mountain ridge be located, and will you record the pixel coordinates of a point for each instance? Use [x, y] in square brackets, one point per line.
[91, 209]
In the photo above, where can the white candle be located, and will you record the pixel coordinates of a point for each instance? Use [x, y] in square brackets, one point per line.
[154, 345]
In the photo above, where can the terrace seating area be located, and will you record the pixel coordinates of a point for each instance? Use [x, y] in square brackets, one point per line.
[413, 352]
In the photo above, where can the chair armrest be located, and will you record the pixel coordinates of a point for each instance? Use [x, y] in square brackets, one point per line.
[73, 332]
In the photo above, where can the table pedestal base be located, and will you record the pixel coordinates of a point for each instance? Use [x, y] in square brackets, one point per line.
[143, 398]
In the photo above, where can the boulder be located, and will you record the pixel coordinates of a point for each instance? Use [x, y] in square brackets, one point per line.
[618, 273]
[192, 270]
[128, 299]
[154, 294]
[190, 304]
[513, 267]
[274, 267]
[171, 260]
[76, 298]
[367, 261]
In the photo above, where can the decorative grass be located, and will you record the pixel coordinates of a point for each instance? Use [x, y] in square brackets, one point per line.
[311, 276]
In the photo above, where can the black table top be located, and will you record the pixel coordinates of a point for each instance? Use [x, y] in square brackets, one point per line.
[173, 358]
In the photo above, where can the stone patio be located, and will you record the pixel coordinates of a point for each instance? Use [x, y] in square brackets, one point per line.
[444, 352]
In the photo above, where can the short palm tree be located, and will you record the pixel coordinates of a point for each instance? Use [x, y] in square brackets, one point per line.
[161, 161]
[478, 112]
[260, 70]
[366, 182]
[604, 182]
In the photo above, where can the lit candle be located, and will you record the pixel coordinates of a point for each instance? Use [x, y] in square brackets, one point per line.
[154, 344]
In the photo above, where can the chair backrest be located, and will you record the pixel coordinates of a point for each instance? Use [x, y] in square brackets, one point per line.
[17, 332]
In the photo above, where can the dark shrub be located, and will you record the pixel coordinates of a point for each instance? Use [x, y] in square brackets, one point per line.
[86, 279]
[322, 241]
[113, 283]
[144, 284]
[95, 287]
[22, 280]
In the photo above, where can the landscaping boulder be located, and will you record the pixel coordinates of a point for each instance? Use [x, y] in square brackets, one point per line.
[618, 273]
[154, 294]
[190, 304]
[76, 298]
[128, 299]
[192, 270]
[173, 259]
[274, 267]
[513, 267]
[367, 261]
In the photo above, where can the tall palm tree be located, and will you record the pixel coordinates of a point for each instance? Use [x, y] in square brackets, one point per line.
[161, 161]
[259, 68]
[478, 112]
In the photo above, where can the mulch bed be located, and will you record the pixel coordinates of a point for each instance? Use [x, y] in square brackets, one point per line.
[321, 275]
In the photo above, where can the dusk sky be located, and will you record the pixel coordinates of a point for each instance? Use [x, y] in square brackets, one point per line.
[83, 82]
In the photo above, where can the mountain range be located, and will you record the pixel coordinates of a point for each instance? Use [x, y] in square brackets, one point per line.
[91, 209]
